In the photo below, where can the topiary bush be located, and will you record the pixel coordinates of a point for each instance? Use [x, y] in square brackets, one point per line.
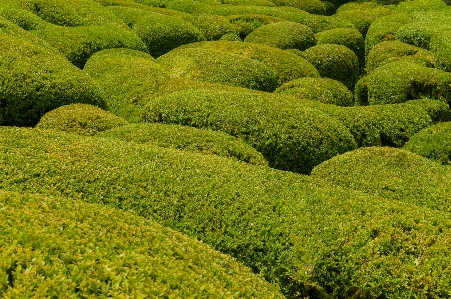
[82, 119]
[335, 62]
[441, 48]
[247, 23]
[283, 35]
[289, 136]
[49, 244]
[188, 139]
[211, 26]
[219, 67]
[311, 6]
[230, 37]
[437, 110]
[324, 90]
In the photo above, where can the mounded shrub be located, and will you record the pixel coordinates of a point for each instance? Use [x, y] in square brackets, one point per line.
[82, 119]
[420, 33]
[230, 37]
[433, 143]
[437, 110]
[283, 35]
[441, 48]
[249, 2]
[289, 136]
[188, 139]
[211, 26]
[36, 80]
[247, 23]
[287, 66]
[54, 246]
[391, 173]
[219, 67]
[324, 90]
[361, 91]
[335, 62]
[311, 6]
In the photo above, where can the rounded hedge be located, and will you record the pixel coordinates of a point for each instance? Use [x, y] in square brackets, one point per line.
[188, 139]
[441, 48]
[212, 27]
[335, 62]
[219, 67]
[289, 136]
[324, 90]
[433, 143]
[82, 119]
[230, 37]
[247, 23]
[283, 35]
[316, 7]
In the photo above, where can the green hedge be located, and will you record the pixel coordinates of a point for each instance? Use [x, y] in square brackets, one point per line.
[316, 7]
[219, 67]
[335, 62]
[57, 247]
[314, 242]
[80, 119]
[441, 48]
[289, 136]
[391, 173]
[188, 139]
[437, 110]
[211, 26]
[283, 35]
[433, 143]
[324, 90]
[246, 23]
[232, 37]
[287, 66]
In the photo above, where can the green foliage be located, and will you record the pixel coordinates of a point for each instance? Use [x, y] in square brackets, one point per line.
[188, 139]
[324, 90]
[57, 247]
[80, 119]
[441, 48]
[212, 27]
[287, 66]
[335, 62]
[219, 67]
[311, 6]
[245, 24]
[283, 35]
[390, 173]
[437, 110]
[230, 37]
[290, 136]
[433, 143]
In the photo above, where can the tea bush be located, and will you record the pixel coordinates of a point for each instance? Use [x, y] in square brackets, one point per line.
[58, 247]
[324, 90]
[335, 62]
[188, 139]
[80, 119]
[283, 35]
[219, 67]
[211, 26]
[289, 136]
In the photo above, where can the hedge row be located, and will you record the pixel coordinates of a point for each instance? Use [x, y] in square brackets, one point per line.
[290, 232]
[57, 247]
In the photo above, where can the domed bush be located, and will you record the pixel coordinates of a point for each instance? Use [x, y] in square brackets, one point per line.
[80, 119]
[289, 136]
[287, 66]
[188, 139]
[441, 48]
[36, 80]
[249, 2]
[311, 6]
[212, 27]
[247, 23]
[324, 90]
[230, 37]
[335, 62]
[283, 35]
[433, 143]
[219, 67]
[437, 110]
[75, 249]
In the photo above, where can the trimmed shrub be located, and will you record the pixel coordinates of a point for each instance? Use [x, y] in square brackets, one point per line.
[245, 24]
[361, 91]
[420, 33]
[80, 119]
[283, 35]
[230, 37]
[287, 66]
[324, 90]
[58, 247]
[390, 51]
[188, 139]
[188, 6]
[311, 6]
[36, 80]
[335, 62]
[211, 26]
[437, 110]
[441, 48]
[391, 173]
[249, 2]
[289, 136]
[278, 223]
[219, 67]
[433, 143]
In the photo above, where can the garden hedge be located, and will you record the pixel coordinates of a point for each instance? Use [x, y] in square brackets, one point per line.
[315, 7]
[324, 90]
[82, 119]
[219, 67]
[230, 37]
[283, 35]
[289, 136]
[441, 48]
[188, 139]
[335, 62]
[58, 247]
[211, 26]
[278, 223]
[247, 23]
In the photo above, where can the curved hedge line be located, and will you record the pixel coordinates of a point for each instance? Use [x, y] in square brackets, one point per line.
[212, 27]
[283, 35]
[80, 119]
[188, 139]
[52, 246]
[316, 7]
[289, 136]
[441, 48]
[247, 23]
